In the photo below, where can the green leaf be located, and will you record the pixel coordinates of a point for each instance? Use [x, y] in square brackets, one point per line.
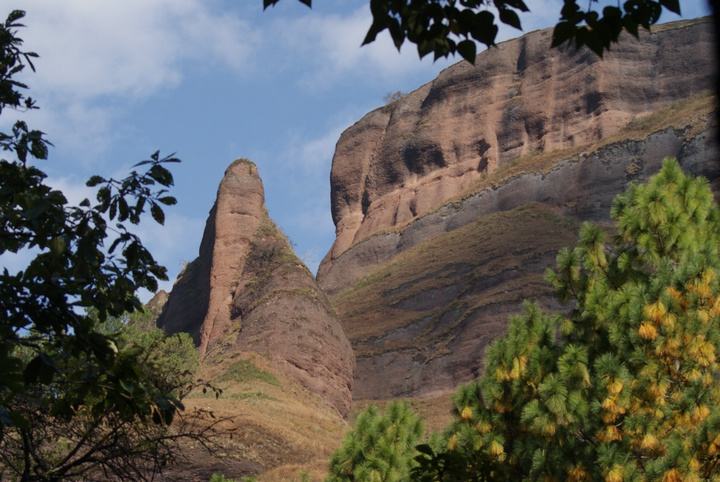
[467, 50]
[562, 32]
[509, 17]
[15, 15]
[58, 245]
[161, 175]
[123, 208]
[157, 214]
[39, 370]
[103, 195]
[518, 4]
[168, 200]
[672, 5]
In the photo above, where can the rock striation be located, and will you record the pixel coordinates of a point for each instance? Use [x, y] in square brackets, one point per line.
[450, 203]
[404, 160]
[247, 292]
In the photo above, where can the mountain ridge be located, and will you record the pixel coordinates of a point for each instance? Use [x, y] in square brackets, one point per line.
[396, 187]
[404, 159]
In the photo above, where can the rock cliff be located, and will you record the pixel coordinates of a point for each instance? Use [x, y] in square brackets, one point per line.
[522, 98]
[247, 292]
[451, 202]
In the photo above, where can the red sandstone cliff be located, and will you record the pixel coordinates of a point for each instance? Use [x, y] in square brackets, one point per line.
[450, 203]
[406, 159]
[247, 292]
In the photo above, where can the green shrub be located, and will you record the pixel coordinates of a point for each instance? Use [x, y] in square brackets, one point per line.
[217, 477]
[246, 371]
[380, 448]
[622, 388]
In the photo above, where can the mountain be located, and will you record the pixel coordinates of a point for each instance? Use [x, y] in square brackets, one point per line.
[450, 203]
[247, 293]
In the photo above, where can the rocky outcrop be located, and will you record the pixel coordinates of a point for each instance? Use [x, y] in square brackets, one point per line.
[156, 304]
[440, 290]
[404, 160]
[247, 292]
[450, 203]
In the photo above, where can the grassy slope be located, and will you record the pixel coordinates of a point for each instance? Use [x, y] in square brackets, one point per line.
[372, 306]
[363, 305]
[281, 430]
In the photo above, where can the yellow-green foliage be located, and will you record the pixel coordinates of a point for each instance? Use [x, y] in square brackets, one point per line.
[380, 448]
[625, 387]
[246, 371]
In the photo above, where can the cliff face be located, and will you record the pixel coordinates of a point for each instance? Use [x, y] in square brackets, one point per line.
[522, 98]
[450, 203]
[248, 293]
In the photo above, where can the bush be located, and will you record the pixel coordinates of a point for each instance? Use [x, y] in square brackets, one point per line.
[380, 448]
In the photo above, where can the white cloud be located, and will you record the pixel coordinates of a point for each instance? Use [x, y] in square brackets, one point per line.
[73, 189]
[331, 46]
[129, 48]
[96, 56]
[318, 152]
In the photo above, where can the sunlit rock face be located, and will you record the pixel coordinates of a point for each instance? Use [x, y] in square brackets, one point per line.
[247, 292]
[518, 150]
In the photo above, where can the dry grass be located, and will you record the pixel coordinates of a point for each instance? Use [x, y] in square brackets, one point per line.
[369, 308]
[280, 428]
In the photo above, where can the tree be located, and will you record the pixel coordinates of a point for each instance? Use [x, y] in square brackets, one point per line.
[447, 27]
[624, 387]
[380, 448]
[57, 366]
[93, 442]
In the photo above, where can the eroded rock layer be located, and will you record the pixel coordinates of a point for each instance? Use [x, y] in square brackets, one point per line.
[442, 289]
[450, 203]
[523, 98]
[247, 292]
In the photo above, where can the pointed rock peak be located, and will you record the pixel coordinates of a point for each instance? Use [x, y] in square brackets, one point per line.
[247, 292]
[156, 304]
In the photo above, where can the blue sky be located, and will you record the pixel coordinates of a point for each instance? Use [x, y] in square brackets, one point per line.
[215, 80]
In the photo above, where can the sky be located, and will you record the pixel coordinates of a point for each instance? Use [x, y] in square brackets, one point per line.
[213, 81]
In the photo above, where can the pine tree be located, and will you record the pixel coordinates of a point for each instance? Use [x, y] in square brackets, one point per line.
[625, 387]
[380, 448]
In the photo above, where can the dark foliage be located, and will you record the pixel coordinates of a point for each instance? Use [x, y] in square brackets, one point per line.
[447, 27]
[59, 372]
